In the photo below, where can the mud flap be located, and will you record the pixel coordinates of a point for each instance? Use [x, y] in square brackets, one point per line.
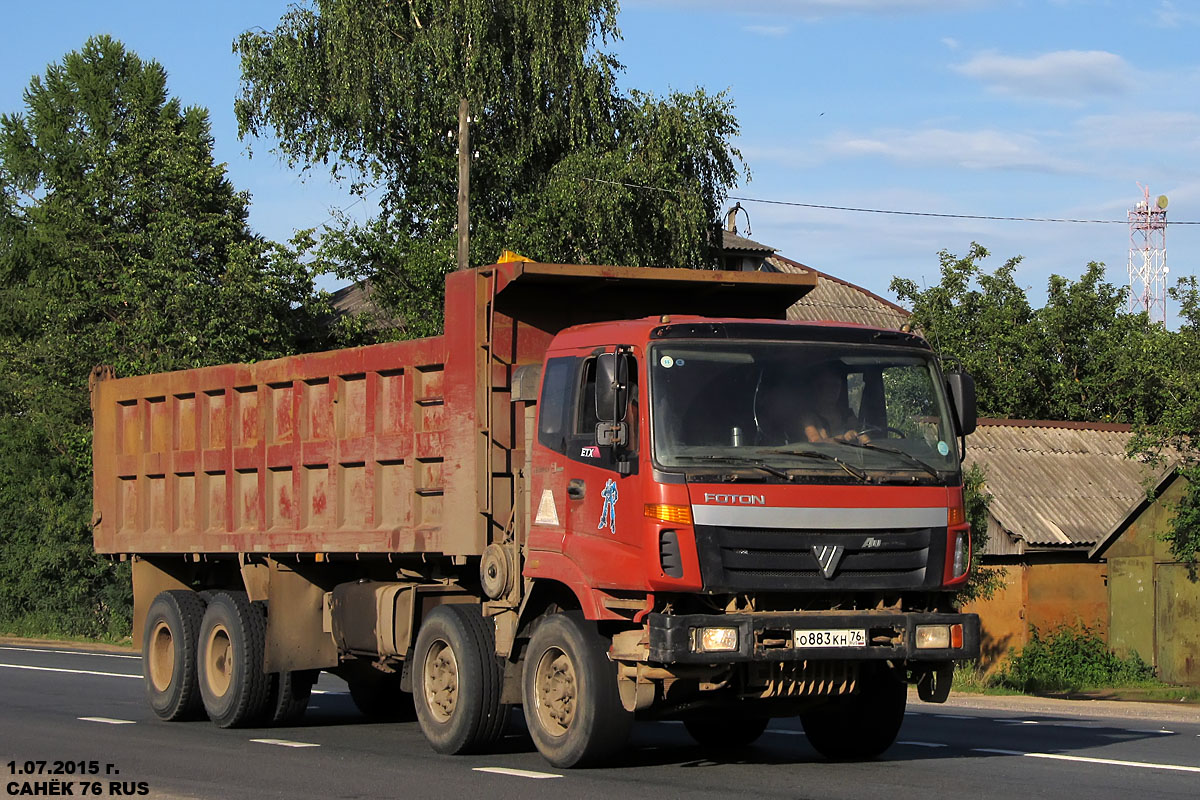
[933, 683]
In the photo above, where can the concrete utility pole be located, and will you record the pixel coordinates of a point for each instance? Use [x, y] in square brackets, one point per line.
[464, 184]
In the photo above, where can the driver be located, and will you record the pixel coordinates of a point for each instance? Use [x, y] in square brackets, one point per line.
[807, 406]
[827, 416]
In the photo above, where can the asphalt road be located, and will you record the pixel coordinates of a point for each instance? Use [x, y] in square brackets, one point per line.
[57, 704]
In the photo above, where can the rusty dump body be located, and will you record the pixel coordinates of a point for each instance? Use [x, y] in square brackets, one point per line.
[406, 447]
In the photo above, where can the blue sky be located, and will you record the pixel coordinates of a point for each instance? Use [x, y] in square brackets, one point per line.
[1043, 109]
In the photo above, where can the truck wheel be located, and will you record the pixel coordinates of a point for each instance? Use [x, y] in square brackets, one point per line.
[288, 696]
[572, 704]
[169, 654]
[457, 680]
[232, 681]
[859, 726]
[727, 733]
[381, 699]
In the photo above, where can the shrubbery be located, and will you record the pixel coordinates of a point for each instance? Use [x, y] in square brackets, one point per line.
[1069, 659]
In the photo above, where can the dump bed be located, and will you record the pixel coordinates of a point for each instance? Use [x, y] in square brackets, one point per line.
[400, 447]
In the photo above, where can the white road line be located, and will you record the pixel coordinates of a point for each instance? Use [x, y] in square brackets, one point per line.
[1160, 731]
[72, 671]
[327, 691]
[1089, 760]
[953, 716]
[107, 720]
[516, 773]
[923, 744]
[285, 743]
[786, 732]
[1018, 722]
[67, 652]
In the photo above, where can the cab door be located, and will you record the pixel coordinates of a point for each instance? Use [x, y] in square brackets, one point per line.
[605, 517]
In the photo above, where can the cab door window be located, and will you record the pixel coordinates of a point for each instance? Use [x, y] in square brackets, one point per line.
[581, 445]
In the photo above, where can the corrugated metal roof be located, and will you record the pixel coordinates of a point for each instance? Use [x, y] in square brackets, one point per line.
[838, 301]
[731, 241]
[1056, 484]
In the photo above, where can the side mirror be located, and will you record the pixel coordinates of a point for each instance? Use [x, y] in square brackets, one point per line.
[612, 386]
[962, 394]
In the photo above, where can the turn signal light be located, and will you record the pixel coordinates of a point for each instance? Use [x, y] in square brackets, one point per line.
[955, 516]
[679, 515]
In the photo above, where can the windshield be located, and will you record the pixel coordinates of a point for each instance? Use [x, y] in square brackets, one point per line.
[787, 406]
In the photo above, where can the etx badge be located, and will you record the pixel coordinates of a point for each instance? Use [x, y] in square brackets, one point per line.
[608, 514]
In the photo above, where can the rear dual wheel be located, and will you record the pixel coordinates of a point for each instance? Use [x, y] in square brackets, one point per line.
[169, 655]
[457, 680]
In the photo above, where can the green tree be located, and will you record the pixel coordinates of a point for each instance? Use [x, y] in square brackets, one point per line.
[124, 244]
[372, 90]
[1079, 357]
[981, 583]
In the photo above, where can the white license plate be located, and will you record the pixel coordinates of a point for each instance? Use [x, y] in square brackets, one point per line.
[837, 637]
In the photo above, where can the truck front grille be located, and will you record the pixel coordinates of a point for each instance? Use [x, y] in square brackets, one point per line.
[784, 559]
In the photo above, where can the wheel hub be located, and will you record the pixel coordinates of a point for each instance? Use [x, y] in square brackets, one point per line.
[161, 664]
[441, 680]
[218, 661]
[556, 691]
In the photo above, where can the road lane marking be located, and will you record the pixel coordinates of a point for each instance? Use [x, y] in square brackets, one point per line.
[786, 732]
[516, 773]
[923, 744]
[953, 716]
[1089, 760]
[1160, 731]
[107, 720]
[285, 743]
[72, 671]
[327, 691]
[66, 652]
[1018, 722]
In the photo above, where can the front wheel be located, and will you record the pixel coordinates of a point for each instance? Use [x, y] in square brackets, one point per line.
[729, 733]
[859, 726]
[572, 704]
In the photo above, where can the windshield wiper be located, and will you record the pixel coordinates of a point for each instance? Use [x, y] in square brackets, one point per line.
[909, 457]
[805, 453]
[749, 462]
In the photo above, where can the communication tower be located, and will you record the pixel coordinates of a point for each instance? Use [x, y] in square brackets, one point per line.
[1148, 257]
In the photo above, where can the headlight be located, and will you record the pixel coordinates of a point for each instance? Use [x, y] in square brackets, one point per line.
[939, 637]
[714, 640]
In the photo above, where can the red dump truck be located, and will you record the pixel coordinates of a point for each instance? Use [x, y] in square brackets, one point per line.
[603, 494]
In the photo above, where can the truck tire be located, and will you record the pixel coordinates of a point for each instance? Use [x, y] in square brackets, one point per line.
[572, 704]
[169, 646]
[859, 726]
[381, 699]
[726, 733]
[288, 696]
[232, 681]
[457, 680]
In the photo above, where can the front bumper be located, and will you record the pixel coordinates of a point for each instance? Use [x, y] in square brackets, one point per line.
[770, 637]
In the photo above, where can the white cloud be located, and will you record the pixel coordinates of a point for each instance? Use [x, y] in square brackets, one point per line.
[974, 150]
[768, 30]
[950, 42]
[1060, 75]
[1174, 132]
[1168, 15]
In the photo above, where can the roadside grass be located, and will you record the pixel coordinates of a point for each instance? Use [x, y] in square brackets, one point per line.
[46, 627]
[1073, 663]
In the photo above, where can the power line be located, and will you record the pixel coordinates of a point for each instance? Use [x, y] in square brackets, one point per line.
[893, 212]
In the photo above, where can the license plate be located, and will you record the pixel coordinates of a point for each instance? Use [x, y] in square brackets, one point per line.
[838, 637]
